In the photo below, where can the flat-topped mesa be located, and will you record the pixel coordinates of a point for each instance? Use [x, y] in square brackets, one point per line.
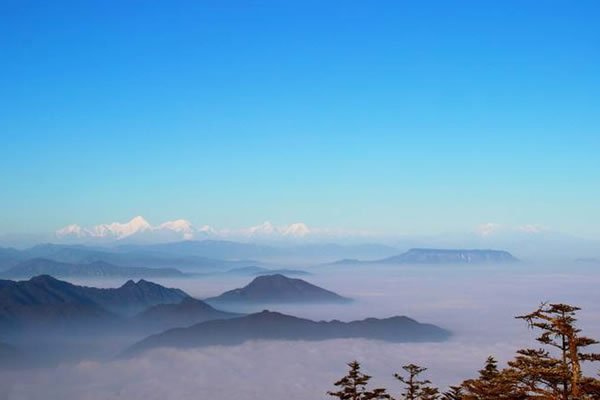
[450, 256]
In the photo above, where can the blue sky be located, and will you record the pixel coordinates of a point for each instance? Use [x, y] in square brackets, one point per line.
[406, 117]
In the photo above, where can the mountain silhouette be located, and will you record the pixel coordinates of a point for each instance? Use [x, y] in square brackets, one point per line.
[269, 325]
[47, 301]
[278, 288]
[185, 313]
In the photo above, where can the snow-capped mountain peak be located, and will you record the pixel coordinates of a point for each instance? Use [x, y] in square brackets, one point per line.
[299, 229]
[119, 230]
[115, 230]
[262, 229]
[180, 229]
[71, 230]
[182, 226]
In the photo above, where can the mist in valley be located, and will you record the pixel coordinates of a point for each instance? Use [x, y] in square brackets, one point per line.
[215, 200]
[476, 302]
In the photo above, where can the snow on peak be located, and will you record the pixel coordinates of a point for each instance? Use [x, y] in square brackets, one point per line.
[122, 230]
[179, 225]
[182, 229]
[488, 228]
[73, 229]
[299, 229]
[207, 230]
[264, 228]
[531, 228]
[139, 221]
[170, 230]
[296, 230]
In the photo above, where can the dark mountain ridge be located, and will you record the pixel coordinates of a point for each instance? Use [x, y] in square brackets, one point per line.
[268, 325]
[46, 301]
[133, 297]
[278, 288]
[185, 313]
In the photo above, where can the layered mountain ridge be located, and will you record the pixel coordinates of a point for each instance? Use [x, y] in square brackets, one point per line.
[46, 301]
[94, 269]
[268, 325]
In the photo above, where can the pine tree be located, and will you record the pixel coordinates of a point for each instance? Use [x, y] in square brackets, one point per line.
[539, 372]
[429, 393]
[416, 389]
[353, 386]
[453, 393]
[491, 384]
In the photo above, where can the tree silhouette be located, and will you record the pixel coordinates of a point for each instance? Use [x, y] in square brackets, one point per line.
[539, 372]
[490, 385]
[554, 373]
[453, 393]
[416, 389]
[353, 386]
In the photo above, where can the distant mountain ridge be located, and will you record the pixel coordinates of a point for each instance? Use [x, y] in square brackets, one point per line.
[141, 231]
[441, 256]
[278, 288]
[141, 257]
[231, 250]
[9, 257]
[269, 325]
[588, 260]
[257, 271]
[178, 229]
[204, 256]
[94, 269]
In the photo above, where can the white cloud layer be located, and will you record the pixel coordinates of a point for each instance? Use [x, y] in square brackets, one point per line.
[477, 303]
[255, 370]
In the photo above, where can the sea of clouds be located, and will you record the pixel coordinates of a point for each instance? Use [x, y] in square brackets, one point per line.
[478, 303]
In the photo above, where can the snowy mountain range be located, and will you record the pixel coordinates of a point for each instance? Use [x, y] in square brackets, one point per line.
[522, 240]
[140, 229]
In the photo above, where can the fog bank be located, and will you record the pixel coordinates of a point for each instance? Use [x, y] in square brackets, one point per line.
[478, 303]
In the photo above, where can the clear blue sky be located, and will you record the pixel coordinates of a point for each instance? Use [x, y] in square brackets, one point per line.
[393, 116]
